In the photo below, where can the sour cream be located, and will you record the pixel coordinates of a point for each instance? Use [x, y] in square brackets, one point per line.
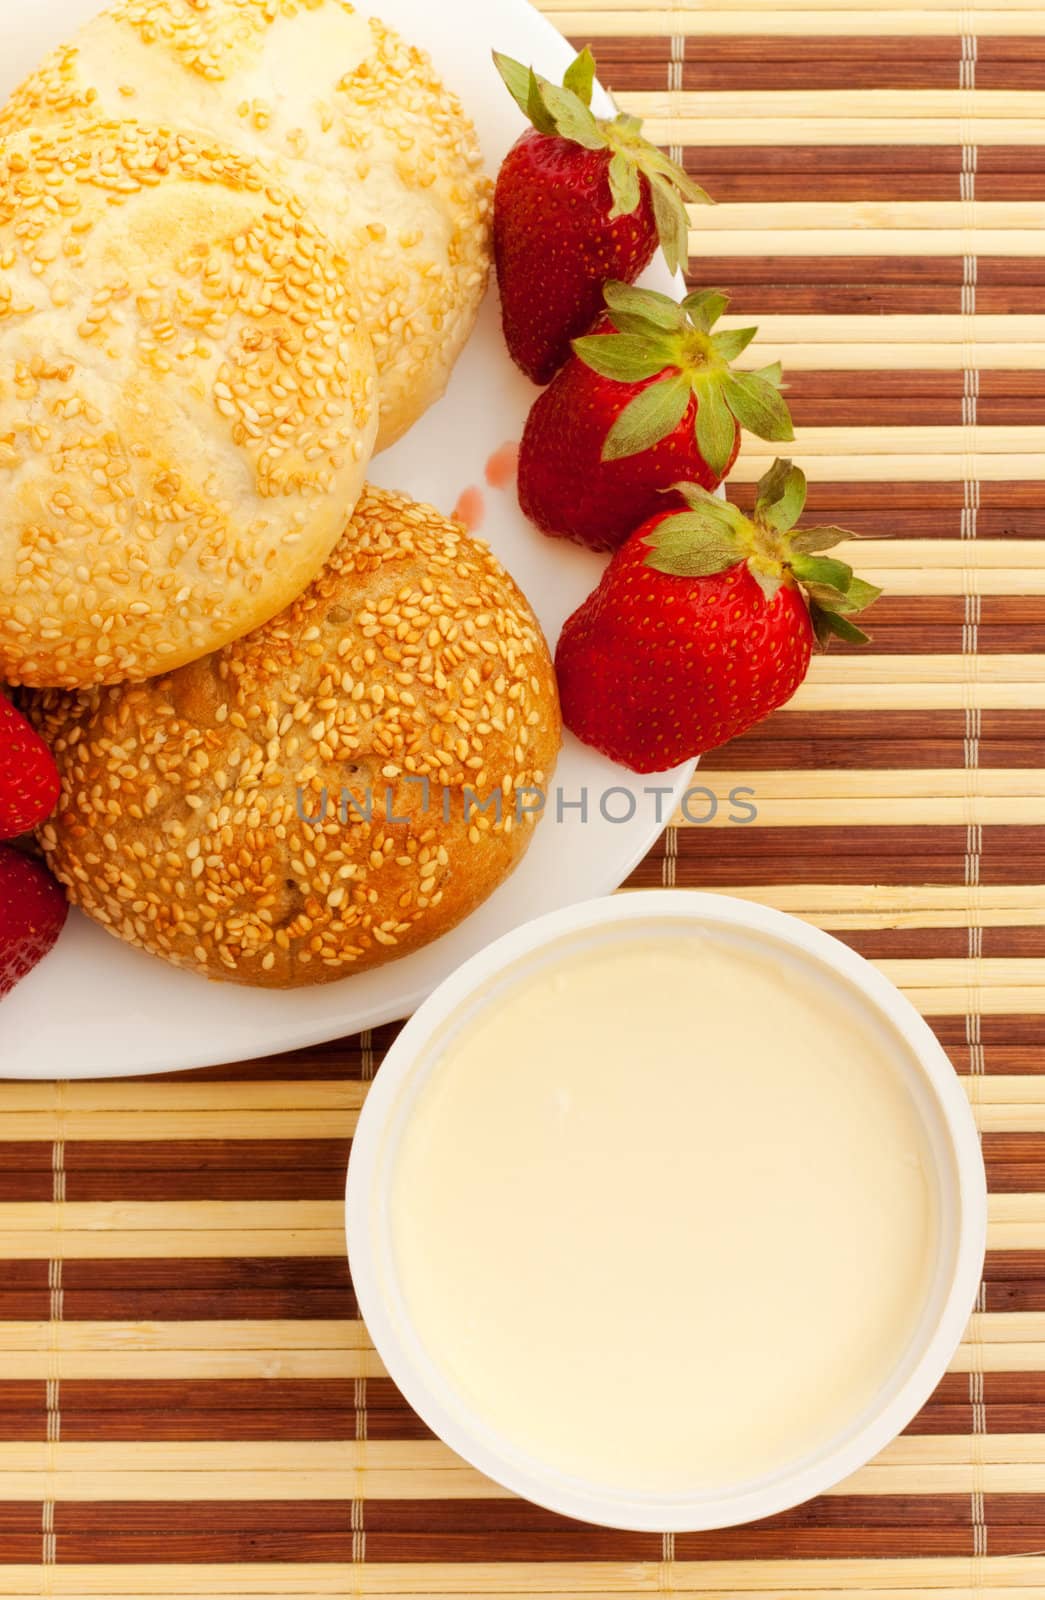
[663, 1213]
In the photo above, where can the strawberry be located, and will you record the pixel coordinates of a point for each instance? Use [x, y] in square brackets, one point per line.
[646, 401]
[29, 782]
[33, 910]
[703, 624]
[579, 200]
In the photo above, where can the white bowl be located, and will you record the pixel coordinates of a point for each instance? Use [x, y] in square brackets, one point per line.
[951, 1139]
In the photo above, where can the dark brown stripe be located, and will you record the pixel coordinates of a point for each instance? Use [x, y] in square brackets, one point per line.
[123, 1183]
[325, 1422]
[928, 944]
[867, 740]
[749, 62]
[854, 740]
[1022, 1035]
[91, 1157]
[217, 1277]
[844, 854]
[835, 399]
[207, 1396]
[776, 174]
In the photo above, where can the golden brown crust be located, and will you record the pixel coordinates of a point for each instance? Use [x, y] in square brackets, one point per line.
[412, 656]
[346, 114]
[187, 402]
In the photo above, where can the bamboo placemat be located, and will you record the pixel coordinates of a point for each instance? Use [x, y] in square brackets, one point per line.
[188, 1403]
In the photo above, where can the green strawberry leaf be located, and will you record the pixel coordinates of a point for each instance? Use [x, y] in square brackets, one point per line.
[624, 187]
[732, 342]
[715, 428]
[810, 541]
[828, 624]
[723, 513]
[650, 417]
[692, 545]
[824, 572]
[773, 374]
[573, 119]
[704, 307]
[644, 308]
[781, 496]
[656, 161]
[672, 220]
[580, 75]
[536, 109]
[517, 78]
[859, 595]
[626, 357]
[757, 406]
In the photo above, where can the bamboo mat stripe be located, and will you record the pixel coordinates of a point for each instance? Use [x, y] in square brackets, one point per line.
[189, 1404]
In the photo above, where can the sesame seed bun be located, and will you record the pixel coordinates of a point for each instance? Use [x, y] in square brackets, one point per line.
[192, 816]
[347, 115]
[187, 402]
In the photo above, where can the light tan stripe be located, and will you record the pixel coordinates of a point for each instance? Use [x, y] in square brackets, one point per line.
[982, 328]
[143, 1095]
[686, 11]
[85, 1338]
[1009, 1118]
[181, 1216]
[706, 242]
[833, 811]
[953, 555]
[727, 131]
[915, 696]
[947, 1578]
[602, 22]
[904, 798]
[898, 441]
[918, 353]
[872, 905]
[231, 1365]
[864, 227]
[148, 1126]
[925, 216]
[870, 467]
[960, 972]
[1005, 1089]
[919, 784]
[145, 1245]
[751, 107]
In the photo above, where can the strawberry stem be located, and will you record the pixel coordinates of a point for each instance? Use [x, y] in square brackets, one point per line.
[656, 336]
[712, 535]
[565, 111]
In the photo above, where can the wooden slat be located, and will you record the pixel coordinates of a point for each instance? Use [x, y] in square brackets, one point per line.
[189, 1404]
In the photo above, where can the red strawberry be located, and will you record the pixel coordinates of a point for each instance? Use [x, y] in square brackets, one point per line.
[579, 200]
[646, 401]
[33, 910]
[29, 782]
[703, 624]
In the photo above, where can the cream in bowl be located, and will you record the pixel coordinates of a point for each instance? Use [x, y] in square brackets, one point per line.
[666, 1212]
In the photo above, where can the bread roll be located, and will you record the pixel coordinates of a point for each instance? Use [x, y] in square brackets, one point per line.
[192, 820]
[347, 114]
[187, 402]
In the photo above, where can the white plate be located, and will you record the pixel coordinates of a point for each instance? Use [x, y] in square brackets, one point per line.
[96, 1008]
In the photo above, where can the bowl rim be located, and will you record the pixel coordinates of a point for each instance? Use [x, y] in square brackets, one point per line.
[479, 1445]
